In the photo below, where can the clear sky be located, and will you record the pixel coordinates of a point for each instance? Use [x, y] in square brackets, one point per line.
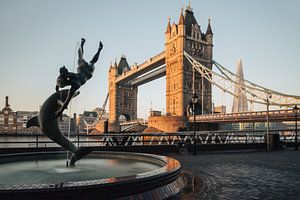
[38, 37]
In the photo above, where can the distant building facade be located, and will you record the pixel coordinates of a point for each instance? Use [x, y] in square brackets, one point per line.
[86, 120]
[7, 117]
[15, 122]
[22, 118]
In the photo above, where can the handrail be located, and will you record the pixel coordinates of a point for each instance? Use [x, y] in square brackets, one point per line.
[202, 138]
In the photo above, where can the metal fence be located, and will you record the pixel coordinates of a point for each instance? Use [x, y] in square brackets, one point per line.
[201, 138]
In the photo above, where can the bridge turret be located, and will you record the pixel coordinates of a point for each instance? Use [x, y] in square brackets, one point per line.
[122, 96]
[112, 90]
[189, 20]
[181, 26]
[174, 30]
[123, 65]
[209, 39]
[209, 33]
[114, 69]
[168, 31]
[111, 67]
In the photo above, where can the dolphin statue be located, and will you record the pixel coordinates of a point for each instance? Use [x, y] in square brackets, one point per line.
[48, 123]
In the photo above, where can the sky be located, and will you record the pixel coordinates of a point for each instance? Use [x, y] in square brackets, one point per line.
[38, 37]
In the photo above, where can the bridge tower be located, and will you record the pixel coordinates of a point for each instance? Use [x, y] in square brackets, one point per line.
[181, 82]
[187, 36]
[122, 97]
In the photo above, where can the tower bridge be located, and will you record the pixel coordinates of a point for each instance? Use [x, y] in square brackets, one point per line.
[187, 63]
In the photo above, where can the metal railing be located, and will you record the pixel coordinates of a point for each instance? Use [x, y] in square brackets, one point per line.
[256, 116]
[202, 138]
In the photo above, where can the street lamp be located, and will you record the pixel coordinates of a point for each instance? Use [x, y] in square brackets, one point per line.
[295, 109]
[269, 96]
[194, 100]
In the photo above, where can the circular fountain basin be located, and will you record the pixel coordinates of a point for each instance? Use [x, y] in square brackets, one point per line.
[100, 175]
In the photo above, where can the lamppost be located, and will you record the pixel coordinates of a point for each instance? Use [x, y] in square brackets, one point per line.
[194, 100]
[269, 96]
[295, 109]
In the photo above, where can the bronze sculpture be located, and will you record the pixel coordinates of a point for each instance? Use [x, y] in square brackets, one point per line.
[76, 80]
[54, 106]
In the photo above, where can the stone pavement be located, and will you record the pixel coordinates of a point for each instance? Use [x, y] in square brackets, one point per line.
[247, 175]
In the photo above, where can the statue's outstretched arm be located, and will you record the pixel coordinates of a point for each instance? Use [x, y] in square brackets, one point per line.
[80, 49]
[96, 56]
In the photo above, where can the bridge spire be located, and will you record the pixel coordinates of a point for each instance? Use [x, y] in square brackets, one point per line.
[189, 8]
[181, 19]
[240, 99]
[209, 30]
[169, 26]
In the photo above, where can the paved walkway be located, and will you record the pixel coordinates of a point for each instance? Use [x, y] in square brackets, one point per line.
[252, 175]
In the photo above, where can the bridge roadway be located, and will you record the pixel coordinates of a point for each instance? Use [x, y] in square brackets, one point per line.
[259, 116]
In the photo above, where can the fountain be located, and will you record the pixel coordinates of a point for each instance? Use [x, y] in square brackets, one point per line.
[96, 175]
[99, 175]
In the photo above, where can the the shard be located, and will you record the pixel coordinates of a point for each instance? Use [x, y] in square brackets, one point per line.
[239, 101]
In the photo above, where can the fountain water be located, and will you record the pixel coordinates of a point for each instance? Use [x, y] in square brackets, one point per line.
[100, 175]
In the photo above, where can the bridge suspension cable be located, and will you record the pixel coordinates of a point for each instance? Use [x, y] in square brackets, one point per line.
[101, 111]
[226, 81]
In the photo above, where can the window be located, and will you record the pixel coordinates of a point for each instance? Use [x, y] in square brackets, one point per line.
[10, 120]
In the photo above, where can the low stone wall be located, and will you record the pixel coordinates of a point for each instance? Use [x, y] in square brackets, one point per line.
[168, 124]
[105, 126]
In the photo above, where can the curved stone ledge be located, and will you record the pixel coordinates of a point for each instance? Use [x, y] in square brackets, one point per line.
[165, 180]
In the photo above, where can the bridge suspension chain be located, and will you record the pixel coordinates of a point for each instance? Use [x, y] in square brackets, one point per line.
[226, 81]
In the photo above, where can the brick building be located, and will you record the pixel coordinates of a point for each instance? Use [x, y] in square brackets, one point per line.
[15, 122]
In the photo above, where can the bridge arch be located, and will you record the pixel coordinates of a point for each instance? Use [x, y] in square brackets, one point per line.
[124, 118]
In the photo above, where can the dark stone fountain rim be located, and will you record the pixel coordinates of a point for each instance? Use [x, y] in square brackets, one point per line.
[169, 171]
